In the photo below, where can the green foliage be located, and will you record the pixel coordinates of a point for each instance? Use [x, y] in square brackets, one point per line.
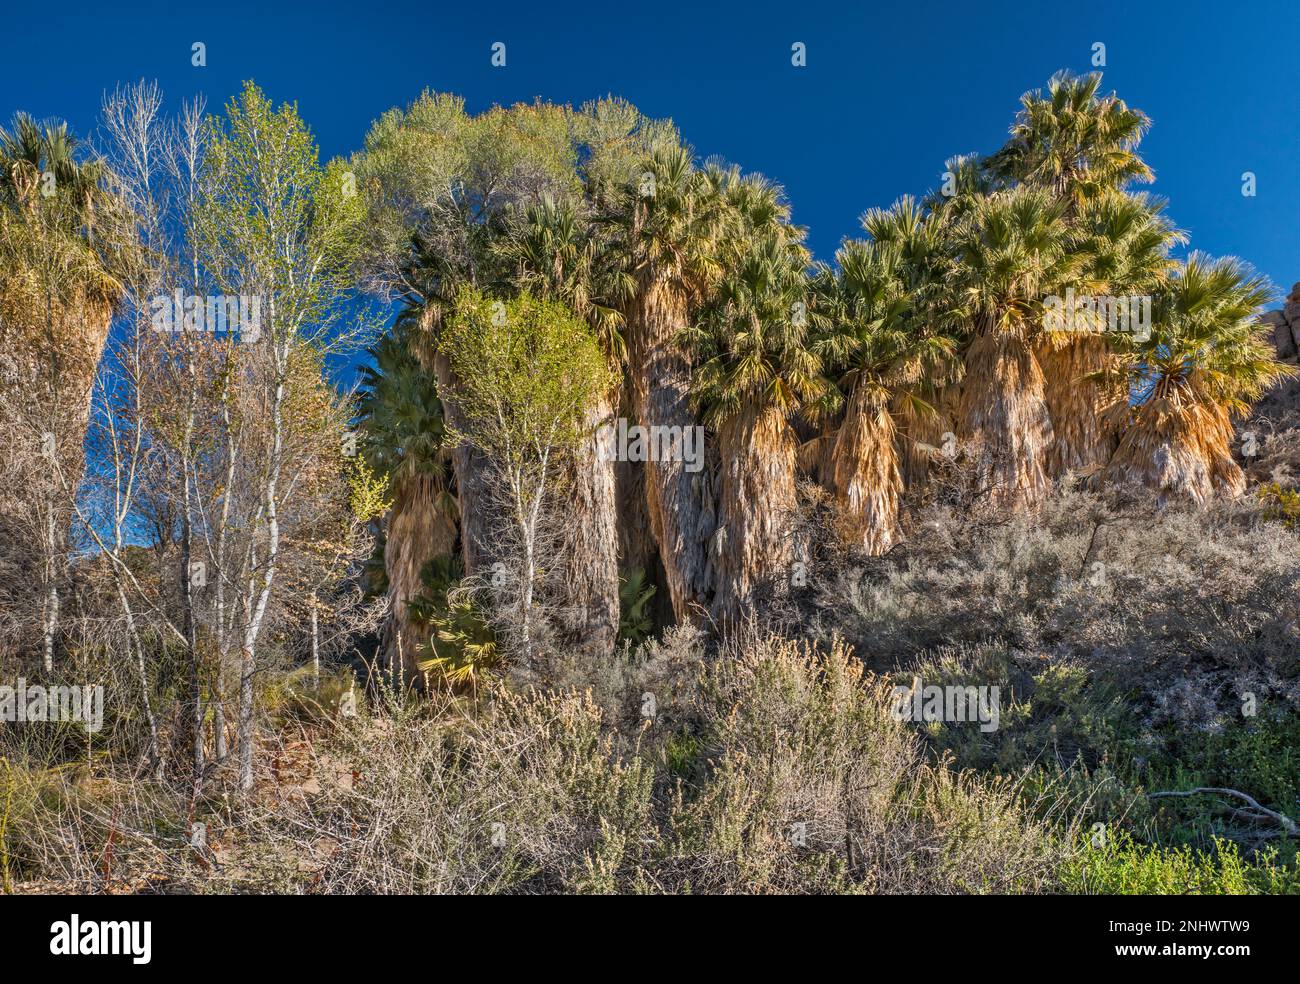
[683, 755]
[1121, 866]
[635, 621]
[270, 220]
[400, 415]
[525, 371]
[555, 251]
[1012, 250]
[1206, 344]
[879, 318]
[752, 338]
[1074, 141]
[1281, 504]
[460, 645]
[367, 492]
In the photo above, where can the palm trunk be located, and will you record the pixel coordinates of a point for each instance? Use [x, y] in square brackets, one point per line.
[636, 544]
[1082, 410]
[865, 476]
[756, 535]
[589, 571]
[1180, 447]
[1004, 418]
[419, 529]
[471, 475]
[918, 430]
[680, 503]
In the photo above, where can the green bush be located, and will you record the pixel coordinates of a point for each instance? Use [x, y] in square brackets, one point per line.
[1121, 866]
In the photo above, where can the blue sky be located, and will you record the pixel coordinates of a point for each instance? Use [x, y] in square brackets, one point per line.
[890, 90]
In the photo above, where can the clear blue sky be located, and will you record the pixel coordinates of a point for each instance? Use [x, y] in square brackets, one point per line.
[890, 90]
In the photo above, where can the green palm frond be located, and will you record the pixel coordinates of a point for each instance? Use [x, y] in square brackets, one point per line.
[401, 416]
[1206, 342]
[1074, 141]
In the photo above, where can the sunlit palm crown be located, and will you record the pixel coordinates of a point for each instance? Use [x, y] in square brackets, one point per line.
[553, 250]
[668, 219]
[1012, 250]
[1071, 140]
[753, 337]
[1206, 343]
[1126, 240]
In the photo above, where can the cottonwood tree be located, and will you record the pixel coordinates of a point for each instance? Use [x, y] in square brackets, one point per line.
[525, 371]
[270, 222]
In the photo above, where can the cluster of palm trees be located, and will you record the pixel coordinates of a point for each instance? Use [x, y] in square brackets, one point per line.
[927, 337]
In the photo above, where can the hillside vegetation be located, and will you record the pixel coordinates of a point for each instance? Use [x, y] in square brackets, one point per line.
[650, 555]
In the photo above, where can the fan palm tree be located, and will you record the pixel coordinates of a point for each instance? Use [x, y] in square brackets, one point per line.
[879, 334]
[1081, 146]
[53, 202]
[58, 292]
[39, 161]
[402, 419]
[553, 251]
[1124, 242]
[924, 409]
[756, 370]
[1012, 250]
[1070, 140]
[1207, 359]
[666, 224]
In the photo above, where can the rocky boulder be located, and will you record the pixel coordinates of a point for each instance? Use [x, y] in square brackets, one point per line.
[1268, 443]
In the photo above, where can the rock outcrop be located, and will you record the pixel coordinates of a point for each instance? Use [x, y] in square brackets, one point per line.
[1268, 442]
[1286, 327]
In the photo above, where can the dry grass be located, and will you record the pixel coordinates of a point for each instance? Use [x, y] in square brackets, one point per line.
[776, 769]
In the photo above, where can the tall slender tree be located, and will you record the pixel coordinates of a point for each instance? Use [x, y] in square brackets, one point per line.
[880, 331]
[60, 290]
[402, 423]
[756, 369]
[553, 250]
[1081, 145]
[1012, 250]
[667, 226]
[440, 187]
[1123, 241]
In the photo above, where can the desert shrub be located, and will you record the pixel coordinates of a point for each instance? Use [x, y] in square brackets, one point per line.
[1050, 713]
[527, 795]
[297, 696]
[1281, 503]
[68, 828]
[784, 772]
[815, 787]
[1119, 865]
[1063, 728]
[1189, 608]
[651, 687]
